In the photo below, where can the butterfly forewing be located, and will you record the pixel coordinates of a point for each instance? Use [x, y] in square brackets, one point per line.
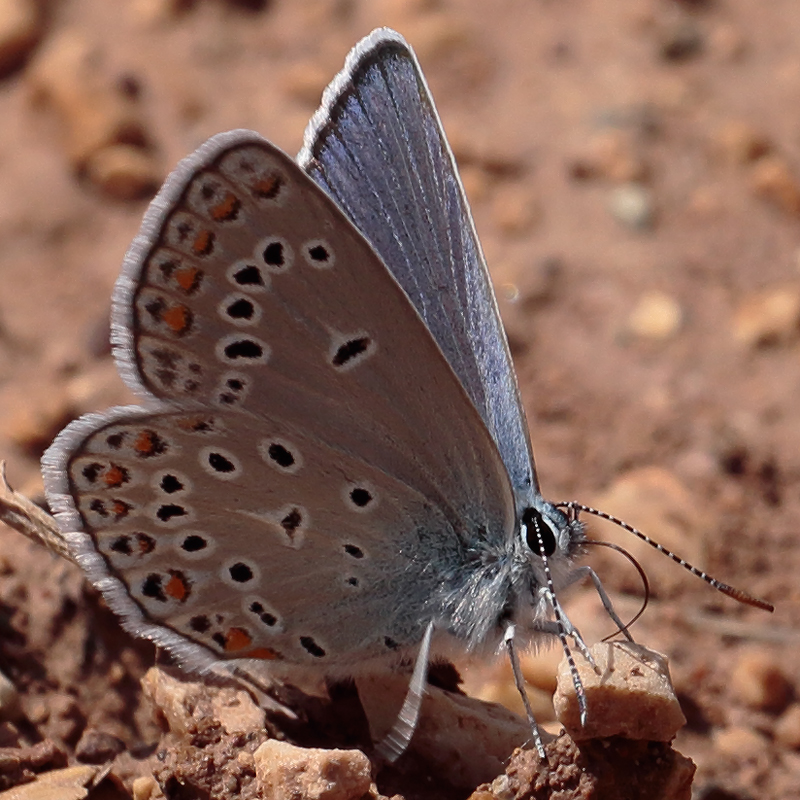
[306, 439]
[377, 147]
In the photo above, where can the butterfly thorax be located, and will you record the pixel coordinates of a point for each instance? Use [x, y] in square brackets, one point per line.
[501, 584]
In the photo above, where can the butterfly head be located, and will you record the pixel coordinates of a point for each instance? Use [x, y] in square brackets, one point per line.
[547, 542]
[545, 530]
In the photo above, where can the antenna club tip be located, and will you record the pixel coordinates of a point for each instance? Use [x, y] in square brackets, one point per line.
[744, 597]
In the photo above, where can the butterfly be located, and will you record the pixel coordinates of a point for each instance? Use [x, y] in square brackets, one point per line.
[330, 469]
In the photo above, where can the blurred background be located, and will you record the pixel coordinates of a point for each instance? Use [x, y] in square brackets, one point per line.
[634, 172]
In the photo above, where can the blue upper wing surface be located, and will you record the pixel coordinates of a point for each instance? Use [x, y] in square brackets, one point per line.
[377, 147]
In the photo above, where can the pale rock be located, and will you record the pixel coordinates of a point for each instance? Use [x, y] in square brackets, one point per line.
[466, 740]
[611, 155]
[735, 142]
[773, 180]
[632, 205]
[630, 695]
[20, 30]
[656, 316]
[96, 112]
[493, 682]
[69, 783]
[145, 788]
[287, 772]
[184, 704]
[787, 728]
[658, 504]
[124, 172]
[740, 743]
[759, 681]
[9, 700]
[769, 317]
[515, 210]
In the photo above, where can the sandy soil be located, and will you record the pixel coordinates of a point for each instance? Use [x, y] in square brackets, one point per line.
[633, 169]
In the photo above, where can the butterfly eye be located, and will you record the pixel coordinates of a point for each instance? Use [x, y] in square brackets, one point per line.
[535, 528]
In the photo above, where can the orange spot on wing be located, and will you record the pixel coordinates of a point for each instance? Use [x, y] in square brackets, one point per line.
[178, 318]
[114, 476]
[149, 443]
[203, 243]
[144, 443]
[268, 187]
[177, 587]
[237, 639]
[188, 278]
[119, 509]
[228, 209]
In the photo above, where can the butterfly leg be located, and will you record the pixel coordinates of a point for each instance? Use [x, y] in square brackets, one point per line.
[519, 682]
[393, 745]
[583, 572]
[562, 627]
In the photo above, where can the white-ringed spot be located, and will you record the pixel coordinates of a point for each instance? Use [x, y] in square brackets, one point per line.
[240, 310]
[281, 454]
[240, 573]
[319, 254]
[312, 647]
[360, 497]
[348, 351]
[275, 253]
[248, 277]
[171, 483]
[194, 545]
[241, 348]
[220, 463]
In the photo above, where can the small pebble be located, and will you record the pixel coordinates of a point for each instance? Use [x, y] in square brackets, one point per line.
[98, 747]
[741, 744]
[514, 210]
[738, 143]
[655, 316]
[123, 172]
[611, 155]
[70, 783]
[773, 180]
[9, 699]
[476, 182]
[787, 728]
[759, 681]
[680, 41]
[632, 696]
[727, 43]
[20, 30]
[144, 787]
[769, 317]
[285, 771]
[632, 205]
[31, 418]
[96, 110]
